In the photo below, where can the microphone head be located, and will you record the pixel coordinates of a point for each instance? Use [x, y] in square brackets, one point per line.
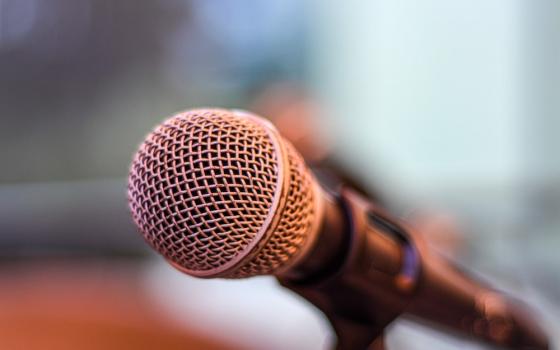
[220, 193]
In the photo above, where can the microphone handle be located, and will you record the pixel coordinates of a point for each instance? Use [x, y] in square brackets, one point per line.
[367, 269]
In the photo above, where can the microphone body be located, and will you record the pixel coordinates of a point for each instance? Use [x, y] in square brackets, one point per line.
[221, 194]
[369, 269]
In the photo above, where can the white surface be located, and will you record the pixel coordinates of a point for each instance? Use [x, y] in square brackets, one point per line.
[255, 313]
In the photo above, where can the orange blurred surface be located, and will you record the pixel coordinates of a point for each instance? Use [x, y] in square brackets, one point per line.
[85, 306]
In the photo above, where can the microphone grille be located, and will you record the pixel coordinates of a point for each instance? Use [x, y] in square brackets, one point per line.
[295, 226]
[220, 194]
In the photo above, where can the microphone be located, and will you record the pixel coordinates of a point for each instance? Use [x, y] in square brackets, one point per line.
[219, 193]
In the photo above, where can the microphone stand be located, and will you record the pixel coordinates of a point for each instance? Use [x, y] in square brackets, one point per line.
[378, 270]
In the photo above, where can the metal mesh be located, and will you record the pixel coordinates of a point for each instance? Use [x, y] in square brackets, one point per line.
[294, 225]
[204, 184]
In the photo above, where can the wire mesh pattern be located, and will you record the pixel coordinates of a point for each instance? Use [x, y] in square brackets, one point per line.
[294, 226]
[201, 186]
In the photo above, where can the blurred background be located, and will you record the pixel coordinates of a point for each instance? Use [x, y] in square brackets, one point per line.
[447, 111]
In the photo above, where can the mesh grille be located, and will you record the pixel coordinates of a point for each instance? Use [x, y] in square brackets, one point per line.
[205, 183]
[295, 223]
[201, 187]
